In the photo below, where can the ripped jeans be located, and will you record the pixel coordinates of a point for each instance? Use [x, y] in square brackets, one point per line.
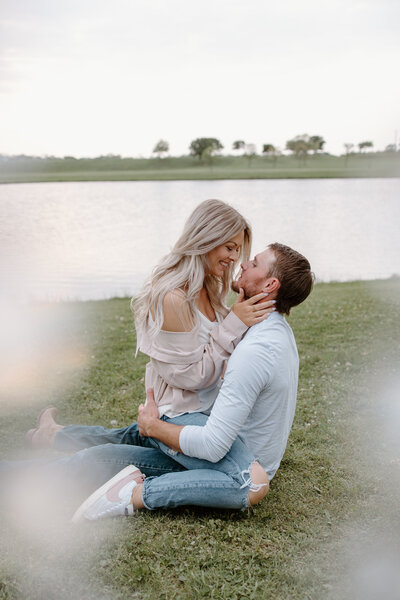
[225, 484]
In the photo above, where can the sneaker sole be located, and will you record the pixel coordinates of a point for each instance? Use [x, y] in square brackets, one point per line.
[78, 515]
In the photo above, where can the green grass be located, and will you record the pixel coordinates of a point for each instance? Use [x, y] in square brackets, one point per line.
[289, 546]
[25, 169]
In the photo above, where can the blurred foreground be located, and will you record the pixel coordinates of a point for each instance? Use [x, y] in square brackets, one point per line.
[329, 526]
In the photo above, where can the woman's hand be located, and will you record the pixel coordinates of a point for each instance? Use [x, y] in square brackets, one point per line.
[249, 311]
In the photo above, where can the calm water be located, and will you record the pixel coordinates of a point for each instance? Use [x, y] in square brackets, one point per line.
[98, 240]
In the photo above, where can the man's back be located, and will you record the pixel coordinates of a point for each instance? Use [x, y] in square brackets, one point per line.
[271, 349]
[257, 399]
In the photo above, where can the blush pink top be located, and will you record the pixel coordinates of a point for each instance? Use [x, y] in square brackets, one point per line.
[180, 364]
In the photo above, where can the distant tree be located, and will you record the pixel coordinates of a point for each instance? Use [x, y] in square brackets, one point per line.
[238, 145]
[316, 143]
[363, 145]
[300, 146]
[271, 150]
[268, 149]
[348, 148]
[161, 148]
[200, 145]
[250, 152]
[207, 156]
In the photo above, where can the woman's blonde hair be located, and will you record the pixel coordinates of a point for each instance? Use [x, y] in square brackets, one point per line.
[211, 224]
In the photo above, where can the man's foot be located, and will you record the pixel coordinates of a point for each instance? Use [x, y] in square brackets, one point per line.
[113, 499]
[43, 435]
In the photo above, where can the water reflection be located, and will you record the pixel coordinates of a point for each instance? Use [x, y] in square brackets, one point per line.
[100, 239]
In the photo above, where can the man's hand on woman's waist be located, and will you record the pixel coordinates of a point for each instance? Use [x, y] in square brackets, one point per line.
[150, 424]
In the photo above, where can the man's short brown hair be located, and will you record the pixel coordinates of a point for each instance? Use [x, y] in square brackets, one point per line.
[295, 276]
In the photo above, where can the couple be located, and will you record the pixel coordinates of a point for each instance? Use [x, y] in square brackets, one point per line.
[177, 454]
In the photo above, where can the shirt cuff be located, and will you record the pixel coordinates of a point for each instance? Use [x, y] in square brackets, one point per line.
[234, 325]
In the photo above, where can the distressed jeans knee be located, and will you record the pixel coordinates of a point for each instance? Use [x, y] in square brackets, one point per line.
[257, 483]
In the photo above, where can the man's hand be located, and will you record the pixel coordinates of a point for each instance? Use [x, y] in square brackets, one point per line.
[150, 424]
[148, 413]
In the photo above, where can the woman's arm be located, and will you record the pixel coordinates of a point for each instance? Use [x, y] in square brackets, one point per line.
[199, 365]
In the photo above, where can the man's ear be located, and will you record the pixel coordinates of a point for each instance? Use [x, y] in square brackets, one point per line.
[272, 285]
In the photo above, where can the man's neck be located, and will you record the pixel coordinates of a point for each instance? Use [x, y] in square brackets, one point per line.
[266, 299]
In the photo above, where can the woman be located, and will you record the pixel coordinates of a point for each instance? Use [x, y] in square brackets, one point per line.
[182, 321]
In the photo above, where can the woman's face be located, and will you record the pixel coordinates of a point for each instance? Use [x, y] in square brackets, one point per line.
[220, 257]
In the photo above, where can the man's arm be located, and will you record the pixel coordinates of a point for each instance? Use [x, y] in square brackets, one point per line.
[247, 375]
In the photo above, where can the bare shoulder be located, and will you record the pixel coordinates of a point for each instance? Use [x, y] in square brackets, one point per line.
[177, 315]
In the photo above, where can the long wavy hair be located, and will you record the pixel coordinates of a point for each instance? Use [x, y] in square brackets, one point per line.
[211, 224]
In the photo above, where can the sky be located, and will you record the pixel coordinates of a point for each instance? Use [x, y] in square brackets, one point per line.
[94, 77]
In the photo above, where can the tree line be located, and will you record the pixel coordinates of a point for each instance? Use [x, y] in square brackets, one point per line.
[300, 146]
[205, 149]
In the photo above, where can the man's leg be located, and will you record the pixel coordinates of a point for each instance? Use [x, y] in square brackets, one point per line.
[196, 487]
[207, 487]
[228, 484]
[83, 472]
[234, 482]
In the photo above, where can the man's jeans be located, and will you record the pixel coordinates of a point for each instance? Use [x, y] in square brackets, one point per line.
[173, 479]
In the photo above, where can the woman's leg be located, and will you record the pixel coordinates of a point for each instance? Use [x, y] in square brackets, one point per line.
[77, 437]
[71, 438]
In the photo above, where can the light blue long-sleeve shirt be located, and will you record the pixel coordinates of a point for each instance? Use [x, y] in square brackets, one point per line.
[257, 400]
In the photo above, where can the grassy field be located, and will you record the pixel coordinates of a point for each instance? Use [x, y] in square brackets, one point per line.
[24, 169]
[334, 490]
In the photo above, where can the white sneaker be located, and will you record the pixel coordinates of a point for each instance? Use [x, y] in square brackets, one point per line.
[112, 499]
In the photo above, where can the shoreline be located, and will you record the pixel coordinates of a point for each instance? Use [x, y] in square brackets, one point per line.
[108, 179]
[38, 170]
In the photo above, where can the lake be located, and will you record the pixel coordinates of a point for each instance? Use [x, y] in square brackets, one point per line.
[92, 240]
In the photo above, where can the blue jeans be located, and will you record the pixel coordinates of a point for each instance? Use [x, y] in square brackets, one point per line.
[185, 480]
[83, 472]
[173, 479]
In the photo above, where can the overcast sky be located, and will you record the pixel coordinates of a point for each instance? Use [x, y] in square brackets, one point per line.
[91, 77]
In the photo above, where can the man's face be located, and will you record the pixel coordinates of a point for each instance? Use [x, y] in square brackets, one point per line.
[254, 275]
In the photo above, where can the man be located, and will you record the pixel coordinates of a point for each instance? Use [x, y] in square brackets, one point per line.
[256, 404]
